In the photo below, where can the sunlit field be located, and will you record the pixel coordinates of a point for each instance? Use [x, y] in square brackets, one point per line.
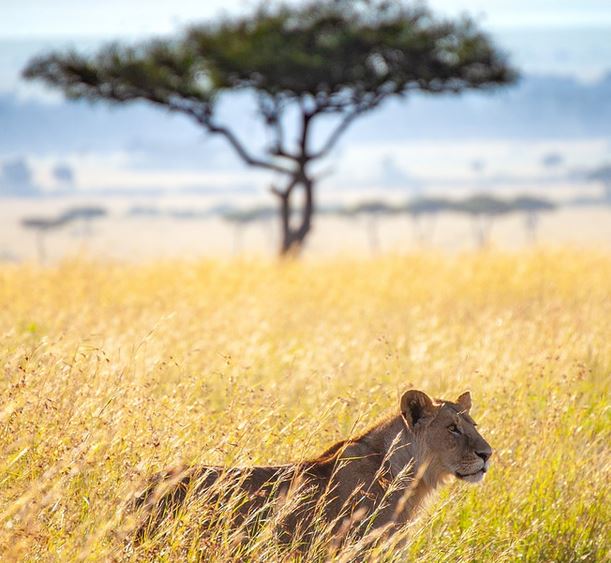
[112, 372]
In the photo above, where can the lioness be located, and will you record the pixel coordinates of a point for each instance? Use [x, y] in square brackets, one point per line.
[375, 480]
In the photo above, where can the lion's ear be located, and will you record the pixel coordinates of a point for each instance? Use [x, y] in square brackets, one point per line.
[415, 405]
[464, 401]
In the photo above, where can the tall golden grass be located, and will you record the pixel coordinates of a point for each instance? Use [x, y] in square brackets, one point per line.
[112, 372]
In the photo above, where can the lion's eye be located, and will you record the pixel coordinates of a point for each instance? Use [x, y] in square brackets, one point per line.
[454, 429]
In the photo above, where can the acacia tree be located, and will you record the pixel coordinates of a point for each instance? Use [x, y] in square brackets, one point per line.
[532, 207]
[241, 218]
[424, 208]
[336, 59]
[372, 211]
[483, 209]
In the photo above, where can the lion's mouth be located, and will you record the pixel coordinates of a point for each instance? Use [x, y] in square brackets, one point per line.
[472, 477]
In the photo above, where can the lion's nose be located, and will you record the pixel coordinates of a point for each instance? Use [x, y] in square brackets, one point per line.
[484, 454]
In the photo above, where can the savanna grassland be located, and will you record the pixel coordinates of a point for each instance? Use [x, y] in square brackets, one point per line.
[111, 372]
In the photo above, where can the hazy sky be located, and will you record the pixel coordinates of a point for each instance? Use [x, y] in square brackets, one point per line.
[35, 18]
[548, 40]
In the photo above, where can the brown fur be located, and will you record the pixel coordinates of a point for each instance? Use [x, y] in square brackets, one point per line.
[376, 480]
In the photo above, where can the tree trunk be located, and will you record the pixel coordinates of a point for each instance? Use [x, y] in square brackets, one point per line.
[373, 232]
[40, 247]
[238, 239]
[293, 236]
[531, 222]
[482, 226]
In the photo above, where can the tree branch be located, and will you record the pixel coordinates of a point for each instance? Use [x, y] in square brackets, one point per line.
[285, 192]
[271, 108]
[337, 133]
[303, 140]
[241, 151]
[204, 118]
[359, 105]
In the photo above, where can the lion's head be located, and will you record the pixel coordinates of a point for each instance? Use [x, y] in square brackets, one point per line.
[446, 435]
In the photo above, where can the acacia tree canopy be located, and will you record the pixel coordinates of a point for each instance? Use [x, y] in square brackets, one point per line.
[325, 57]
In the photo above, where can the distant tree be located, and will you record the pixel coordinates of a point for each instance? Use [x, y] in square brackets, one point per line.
[241, 218]
[482, 209]
[85, 215]
[188, 214]
[319, 61]
[41, 226]
[145, 211]
[423, 212]
[532, 207]
[372, 211]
